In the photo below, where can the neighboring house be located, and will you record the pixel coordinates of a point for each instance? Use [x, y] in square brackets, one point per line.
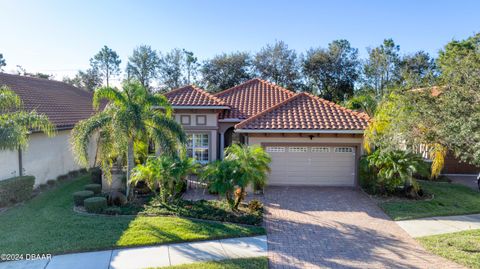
[311, 141]
[65, 105]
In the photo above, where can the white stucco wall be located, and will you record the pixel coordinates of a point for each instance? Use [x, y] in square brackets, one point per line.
[45, 158]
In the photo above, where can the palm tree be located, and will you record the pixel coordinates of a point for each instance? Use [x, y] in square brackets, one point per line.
[252, 167]
[16, 124]
[132, 114]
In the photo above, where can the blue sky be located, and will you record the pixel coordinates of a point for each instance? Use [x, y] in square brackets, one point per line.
[59, 37]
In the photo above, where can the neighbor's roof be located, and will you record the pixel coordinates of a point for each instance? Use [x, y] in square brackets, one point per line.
[251, 98]
[191, 96]
[304, 111]
[64, 104]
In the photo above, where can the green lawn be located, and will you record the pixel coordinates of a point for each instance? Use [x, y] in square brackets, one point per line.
[461, 247]
[449, 199]
[47, 224]
[247, 263]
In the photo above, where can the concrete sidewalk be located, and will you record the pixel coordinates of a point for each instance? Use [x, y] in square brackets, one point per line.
[155, 256]
[440, 225]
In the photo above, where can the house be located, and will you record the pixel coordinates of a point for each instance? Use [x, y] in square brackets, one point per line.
[65, 105]
[311, 141]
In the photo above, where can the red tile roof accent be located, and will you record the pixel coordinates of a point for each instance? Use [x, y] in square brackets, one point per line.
[252, 97]
[64, 104]
[192, 96]
[306, 112]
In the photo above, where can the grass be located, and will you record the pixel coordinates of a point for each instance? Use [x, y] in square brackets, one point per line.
[48, 224]
[461, 247]
[449, 199]
[247, 263]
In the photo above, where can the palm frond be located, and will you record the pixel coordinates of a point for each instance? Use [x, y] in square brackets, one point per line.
[108, 94]
[437, 155]
[167, 123]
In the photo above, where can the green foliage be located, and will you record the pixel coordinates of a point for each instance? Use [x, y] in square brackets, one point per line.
[279, 64]
[107, 62]
[80, 196]
[225, 71]
[2, 62]
[177, 68]
[381, 70]
[243, 165]
[364, 102]
[16, 189]
[96, 175]
[95, 204]
[88, 80]
[168, 173]
[96, 188]
[203, 209]
[332, 72]
[143, 65]
[16, 124]
[391, 170]
[255, 206]
[417, 70]
[112, 210]
[131, 114]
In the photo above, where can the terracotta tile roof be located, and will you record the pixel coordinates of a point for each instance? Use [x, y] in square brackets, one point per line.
[192, 96]
[64, 104]
[306, 112]
[252, 97]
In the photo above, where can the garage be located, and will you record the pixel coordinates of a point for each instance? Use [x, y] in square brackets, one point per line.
[316, 165]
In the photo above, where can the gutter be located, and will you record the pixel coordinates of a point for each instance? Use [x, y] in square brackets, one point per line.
[300, 131]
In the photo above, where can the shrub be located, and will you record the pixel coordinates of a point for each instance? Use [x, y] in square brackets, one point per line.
[16, 189]
[62, 177]
[73, 174]
[116, 198]
[80, 196]
[96, 175]
[255, 206]
[96, 188]
[113, 210]
[51, 182]
[95, 204]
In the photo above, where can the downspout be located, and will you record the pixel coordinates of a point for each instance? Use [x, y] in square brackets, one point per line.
[20, 162]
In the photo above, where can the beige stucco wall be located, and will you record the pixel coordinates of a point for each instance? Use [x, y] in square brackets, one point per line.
[45, 158]
[211, 118]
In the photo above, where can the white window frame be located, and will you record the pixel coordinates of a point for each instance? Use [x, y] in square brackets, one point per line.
[298, 149]
[320, 149]
[344, 150]
[194, 147]
[275, 149]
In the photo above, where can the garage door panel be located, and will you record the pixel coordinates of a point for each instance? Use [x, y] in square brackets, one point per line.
[313, 167]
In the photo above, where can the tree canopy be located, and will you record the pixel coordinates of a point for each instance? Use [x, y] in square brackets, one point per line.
[226, 70]
[107, 62]
[143, 65]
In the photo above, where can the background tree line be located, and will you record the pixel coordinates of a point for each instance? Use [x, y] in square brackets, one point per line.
[335, 72]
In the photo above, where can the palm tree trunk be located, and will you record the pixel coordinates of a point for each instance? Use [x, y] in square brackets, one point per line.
[130, 164]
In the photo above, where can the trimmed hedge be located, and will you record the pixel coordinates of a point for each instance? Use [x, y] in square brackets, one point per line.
[96, 188]
[96, 175]
[95, 204]
[16, 189]
[80, 196]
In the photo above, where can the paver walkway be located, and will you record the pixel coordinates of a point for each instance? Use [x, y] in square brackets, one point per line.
[155, 256]
[310, 227]
[440, 225]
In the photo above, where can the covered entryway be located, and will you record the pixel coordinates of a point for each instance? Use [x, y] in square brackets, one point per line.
[318, 165]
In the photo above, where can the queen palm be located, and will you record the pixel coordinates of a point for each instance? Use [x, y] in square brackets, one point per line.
[16, 124]
[130, 115]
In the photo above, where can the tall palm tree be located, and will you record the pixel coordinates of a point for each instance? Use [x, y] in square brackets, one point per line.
[16, 124]
[131, 114]
[253, 167]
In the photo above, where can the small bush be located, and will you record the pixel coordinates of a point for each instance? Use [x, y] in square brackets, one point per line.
[116, 198]
[96, 175]
[73, 174]
[96, 188]
[16, 189]
[95, 204]
[80, 196]
[255, 206]
[62, 177]
[113, 210]
[51, 182]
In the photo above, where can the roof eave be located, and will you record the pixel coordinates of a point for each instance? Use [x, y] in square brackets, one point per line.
[299, 131]
[200, 107]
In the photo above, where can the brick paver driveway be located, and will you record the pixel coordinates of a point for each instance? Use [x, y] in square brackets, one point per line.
[309, 227]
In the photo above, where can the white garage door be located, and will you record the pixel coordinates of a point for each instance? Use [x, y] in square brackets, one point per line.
[312, 165]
